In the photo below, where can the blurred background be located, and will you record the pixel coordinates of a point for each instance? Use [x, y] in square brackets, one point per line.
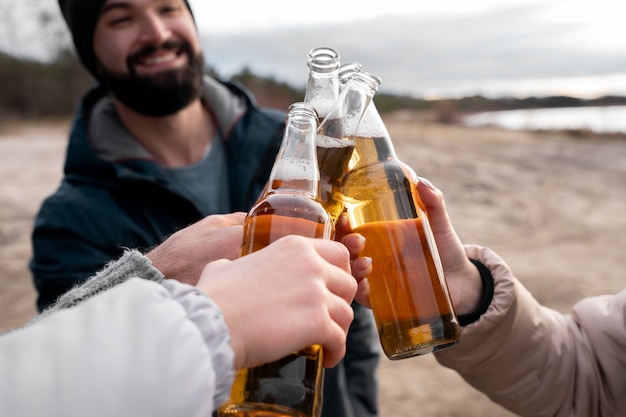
[454, 56]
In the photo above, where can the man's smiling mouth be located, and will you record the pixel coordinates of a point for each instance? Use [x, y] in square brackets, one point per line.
[159, 59]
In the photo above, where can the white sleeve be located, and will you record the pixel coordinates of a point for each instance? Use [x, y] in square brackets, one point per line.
[141, 348]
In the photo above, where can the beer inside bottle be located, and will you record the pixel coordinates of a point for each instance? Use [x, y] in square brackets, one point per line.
[283, 388]
[291, 386]
[334, 146]
[409, 295]
[277, 389]
[334, 156]
[280, 215]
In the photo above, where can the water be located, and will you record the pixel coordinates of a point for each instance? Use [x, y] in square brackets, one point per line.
[604, 119]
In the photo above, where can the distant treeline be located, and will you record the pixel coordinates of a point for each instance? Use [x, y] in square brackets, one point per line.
[31, 89]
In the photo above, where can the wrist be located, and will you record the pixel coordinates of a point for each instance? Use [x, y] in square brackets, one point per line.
[485, 296]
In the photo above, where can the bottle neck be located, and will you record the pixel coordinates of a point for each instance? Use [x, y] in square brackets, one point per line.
[321, 92]
[295, 169]
[322, 88]
[372, 142]
[348, 110]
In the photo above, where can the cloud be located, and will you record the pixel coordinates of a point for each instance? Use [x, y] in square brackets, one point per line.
[418, 54]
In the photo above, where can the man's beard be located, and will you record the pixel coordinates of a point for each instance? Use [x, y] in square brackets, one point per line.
[159, 94]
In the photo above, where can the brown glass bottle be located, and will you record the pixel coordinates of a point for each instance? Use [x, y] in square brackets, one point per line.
[291, 386]
[334, 142]
[408, 292]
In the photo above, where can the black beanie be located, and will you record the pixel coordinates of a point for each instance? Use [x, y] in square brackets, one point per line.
[81, 17]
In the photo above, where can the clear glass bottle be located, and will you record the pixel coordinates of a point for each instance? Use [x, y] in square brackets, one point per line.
[408, 292]
[322, 87]
[334, 142]
[291, 386]
[346, 71]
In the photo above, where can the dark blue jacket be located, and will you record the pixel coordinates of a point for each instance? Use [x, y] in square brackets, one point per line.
[102, 207]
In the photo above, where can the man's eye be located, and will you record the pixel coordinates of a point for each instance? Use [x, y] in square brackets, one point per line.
[168, 10]
[117, 21]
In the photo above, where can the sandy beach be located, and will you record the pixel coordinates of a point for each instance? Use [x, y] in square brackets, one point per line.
[552, 205]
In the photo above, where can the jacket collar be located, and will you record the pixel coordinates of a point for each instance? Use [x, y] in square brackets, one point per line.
[101, 149]
[111, 141]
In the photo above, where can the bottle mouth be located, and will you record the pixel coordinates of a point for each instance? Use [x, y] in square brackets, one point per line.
[373, 81]
[346, 71]
[323, 59]
[302, 109]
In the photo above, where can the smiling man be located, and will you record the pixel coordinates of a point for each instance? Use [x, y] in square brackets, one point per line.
[155, 146]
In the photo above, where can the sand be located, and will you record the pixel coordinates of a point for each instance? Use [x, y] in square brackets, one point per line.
[552, 205]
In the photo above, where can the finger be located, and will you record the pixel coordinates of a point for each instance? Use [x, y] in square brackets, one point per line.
[335, 346]
[362, 295]
[430, 195]
[333, 252]
[361, 267]
[450, 247]
[342, 284]
[334, 351]
[342, 223]
[341, 312]
[355, 244]
[432, 198]
[342, 227]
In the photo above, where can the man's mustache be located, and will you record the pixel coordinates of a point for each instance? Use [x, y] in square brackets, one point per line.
[170, 45]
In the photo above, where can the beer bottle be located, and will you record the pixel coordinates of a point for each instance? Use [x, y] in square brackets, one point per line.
[322, 87]
[334, 144]
[291, 386]
[408, 292]
[346, 71]
[322, 91]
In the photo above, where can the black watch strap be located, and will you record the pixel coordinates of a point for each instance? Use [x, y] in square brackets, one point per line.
[485, 301]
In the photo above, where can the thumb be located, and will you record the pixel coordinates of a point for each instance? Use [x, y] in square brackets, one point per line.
[432, 199]
[448, 243]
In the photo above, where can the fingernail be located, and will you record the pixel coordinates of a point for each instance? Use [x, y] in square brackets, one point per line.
[426, 182]
[341, 220]
[364, 262]
[353, 240]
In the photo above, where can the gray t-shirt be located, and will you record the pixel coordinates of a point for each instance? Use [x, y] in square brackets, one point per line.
[205, 182]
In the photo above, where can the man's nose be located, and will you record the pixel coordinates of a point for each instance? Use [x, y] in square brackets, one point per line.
[154, 30]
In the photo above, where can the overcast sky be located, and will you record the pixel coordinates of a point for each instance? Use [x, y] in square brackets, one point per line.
[444, 48]
[423, 48]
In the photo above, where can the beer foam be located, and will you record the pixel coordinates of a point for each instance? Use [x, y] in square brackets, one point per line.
[290, 169]
[368, 129]
[329, 142]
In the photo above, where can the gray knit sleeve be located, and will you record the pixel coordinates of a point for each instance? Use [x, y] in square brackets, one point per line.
[131, 264]
[208, 317]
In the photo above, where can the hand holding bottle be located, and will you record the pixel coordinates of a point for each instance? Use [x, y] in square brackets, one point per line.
[464, 283]
[184, 254]
[361, 266]
[294, 293]
[289, 205]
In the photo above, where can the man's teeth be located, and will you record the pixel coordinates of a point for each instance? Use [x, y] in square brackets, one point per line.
[161, 59]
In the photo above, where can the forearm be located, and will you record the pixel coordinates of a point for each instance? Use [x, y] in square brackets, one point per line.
[131, 264]
[154, 349]
[505, 352]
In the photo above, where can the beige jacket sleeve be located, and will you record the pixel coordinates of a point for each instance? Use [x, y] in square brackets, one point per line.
[536, 361]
